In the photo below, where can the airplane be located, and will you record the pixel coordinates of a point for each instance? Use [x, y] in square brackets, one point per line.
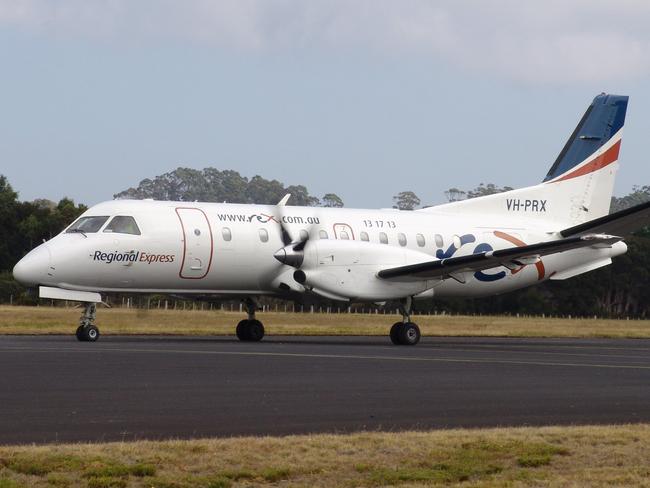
[554, 230]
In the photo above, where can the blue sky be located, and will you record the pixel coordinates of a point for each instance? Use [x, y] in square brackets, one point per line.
[363, 98]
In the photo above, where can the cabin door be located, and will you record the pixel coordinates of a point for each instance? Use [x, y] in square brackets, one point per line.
[197, 243]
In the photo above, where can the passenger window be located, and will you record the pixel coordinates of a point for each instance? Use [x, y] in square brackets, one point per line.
[264, 235]
[87, 225]
[227, 235]
[123, 225]
[383, 238]
[304, 235]
[344, 235]
[439, 241]
[457, 242]
[401, 238]
[322, 234]
[420, 240]
[364, 236]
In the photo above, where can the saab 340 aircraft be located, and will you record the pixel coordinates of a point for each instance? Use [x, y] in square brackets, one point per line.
[555, 230]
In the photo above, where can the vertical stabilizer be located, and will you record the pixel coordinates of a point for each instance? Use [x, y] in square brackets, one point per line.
[579, 185]
[601, 123]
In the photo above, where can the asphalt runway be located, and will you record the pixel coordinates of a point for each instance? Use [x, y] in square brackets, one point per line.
[53, 388]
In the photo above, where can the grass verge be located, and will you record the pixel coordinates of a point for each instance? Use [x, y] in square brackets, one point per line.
[49, 320]
[548, 456]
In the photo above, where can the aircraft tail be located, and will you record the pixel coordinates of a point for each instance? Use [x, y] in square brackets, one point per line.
[579, 185]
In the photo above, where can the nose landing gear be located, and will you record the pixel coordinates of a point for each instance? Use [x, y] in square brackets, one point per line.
[405, 333]
[251, 329]
[87, 331]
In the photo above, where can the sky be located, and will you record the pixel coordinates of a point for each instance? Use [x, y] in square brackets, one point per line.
[362, 98]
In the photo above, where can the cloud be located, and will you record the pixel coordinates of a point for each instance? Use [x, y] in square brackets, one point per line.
[551, 42]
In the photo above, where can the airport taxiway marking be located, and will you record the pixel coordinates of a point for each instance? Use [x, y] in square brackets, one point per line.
[329, 356]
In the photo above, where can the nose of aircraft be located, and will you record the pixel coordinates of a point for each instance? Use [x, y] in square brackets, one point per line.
[33, 268]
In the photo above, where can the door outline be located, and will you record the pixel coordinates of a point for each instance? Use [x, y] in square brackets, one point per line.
[180, 272]
[342, 224]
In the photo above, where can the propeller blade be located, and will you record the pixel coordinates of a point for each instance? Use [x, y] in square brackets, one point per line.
[286, 237]
[300, 246]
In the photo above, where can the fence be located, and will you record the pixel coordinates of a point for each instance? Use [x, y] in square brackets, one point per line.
[290, 307]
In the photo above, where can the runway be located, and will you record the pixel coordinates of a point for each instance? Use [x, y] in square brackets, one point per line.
[53, 388]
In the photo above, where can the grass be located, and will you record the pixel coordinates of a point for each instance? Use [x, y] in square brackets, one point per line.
[502, 457]
[59, 320]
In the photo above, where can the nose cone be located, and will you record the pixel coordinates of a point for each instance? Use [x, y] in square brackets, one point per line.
[33, 269]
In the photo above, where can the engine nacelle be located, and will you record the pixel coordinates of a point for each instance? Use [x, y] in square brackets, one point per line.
[347, 270]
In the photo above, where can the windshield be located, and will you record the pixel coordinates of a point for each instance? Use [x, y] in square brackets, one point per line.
[124, 225]
[86, 225]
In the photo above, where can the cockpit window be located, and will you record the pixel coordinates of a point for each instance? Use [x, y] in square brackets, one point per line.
[123, 224]
[87, 225]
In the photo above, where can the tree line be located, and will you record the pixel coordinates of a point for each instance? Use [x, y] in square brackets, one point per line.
[621, 289]
[212, 185]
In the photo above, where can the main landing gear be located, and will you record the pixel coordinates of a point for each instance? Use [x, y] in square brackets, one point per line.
[251, 329]
[87, 331]
[405, 333]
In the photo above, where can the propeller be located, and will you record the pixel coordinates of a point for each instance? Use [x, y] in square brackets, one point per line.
[292, 254]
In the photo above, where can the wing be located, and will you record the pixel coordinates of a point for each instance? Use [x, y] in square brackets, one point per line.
[508, 257]
[619, 223]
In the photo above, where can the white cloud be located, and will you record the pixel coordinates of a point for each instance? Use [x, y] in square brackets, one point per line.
[552, 41]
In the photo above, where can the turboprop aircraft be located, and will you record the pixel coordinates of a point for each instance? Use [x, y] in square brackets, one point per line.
[554, 230]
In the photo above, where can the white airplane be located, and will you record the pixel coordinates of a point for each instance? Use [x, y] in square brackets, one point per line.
[555, 230]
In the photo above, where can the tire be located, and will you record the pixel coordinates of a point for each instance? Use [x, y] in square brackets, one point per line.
[409, 334]
[394, 332]
[90, 333]
[242, 330]
[80, 334]
[255, 331]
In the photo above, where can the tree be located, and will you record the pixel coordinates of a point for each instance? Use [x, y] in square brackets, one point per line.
[225, 186]
[264, 191]
[406, 200]
[9, 219]
[212, 185]
[300, 196]
[332, 200]
[455, 195]
[639, 195]
[483, 190]
[31, 228]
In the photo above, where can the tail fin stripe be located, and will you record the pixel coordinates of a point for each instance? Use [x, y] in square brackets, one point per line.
[606, 158]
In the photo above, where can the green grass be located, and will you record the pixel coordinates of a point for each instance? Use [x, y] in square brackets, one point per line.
[550, 456]
[8, 483]
[60, 320]
[470, 461]
[121, 470]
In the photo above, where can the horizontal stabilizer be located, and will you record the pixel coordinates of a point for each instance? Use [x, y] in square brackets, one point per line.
[619, 223]
[491, 259]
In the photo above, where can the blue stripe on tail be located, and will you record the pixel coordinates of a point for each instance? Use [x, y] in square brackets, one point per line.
[604, 118]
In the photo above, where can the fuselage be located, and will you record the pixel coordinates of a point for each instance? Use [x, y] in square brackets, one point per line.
[228, 249]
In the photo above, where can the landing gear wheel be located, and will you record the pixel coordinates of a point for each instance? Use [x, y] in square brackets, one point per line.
[395, 331]
[87, 332]
[255, 330]
[409, 334]
[242, 330]
[250, 330]
[90, 333]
